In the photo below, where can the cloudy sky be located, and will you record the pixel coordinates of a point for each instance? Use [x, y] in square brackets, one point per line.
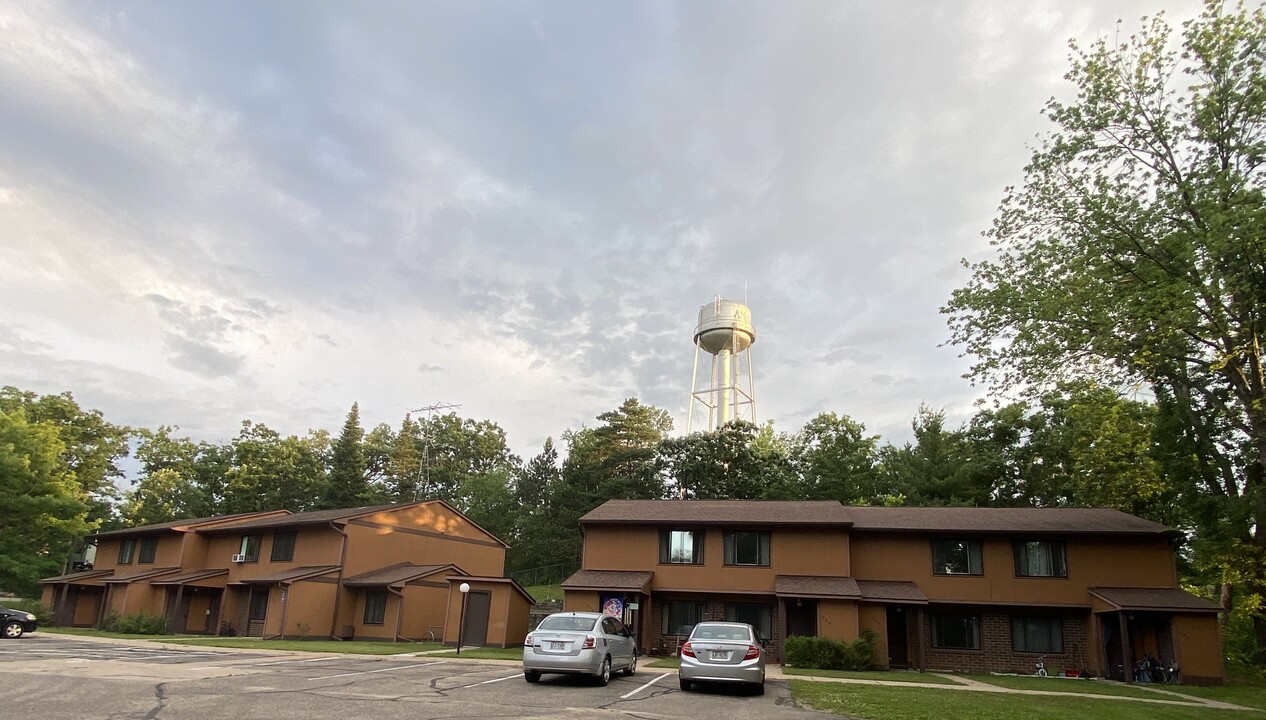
[218, 211]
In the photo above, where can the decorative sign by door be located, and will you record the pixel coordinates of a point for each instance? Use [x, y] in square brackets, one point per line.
[613, 605]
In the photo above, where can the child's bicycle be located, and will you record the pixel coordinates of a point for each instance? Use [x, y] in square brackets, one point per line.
[1041, 666]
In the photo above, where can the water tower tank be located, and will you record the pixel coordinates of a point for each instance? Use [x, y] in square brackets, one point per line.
[724, 332]
[724, 325]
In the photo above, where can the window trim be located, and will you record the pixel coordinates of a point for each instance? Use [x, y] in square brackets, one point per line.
[937, 618]
[290, 555]
[375, 607]
[971, 544]
[1020, 549]
[127, 551]
[665, 546]
[730, 546]
[245, 547]
[1057, 620]
[148, 551]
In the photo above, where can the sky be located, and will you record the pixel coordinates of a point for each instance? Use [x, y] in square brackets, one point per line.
[213, 212]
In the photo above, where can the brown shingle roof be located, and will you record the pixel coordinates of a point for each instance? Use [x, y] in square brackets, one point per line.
[291, 575]
[394, 575]
[829, 513]
[139, 575]
[77, 576]
[985, 521]
[188, 522]
[608, 580]
[1173, 599]
[191, 577]
[315, 517]
[815, 586]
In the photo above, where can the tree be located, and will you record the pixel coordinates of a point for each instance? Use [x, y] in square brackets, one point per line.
[1135, 252]
[348, 486]
[932, 470]
[269, 472]
[724, 464]
[535, 533]
[45, 508]
[836, 460]
[403, 467]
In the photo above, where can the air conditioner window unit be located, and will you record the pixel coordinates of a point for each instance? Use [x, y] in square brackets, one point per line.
[239, 558]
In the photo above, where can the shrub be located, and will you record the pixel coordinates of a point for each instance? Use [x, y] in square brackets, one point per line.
[825, 654]
[138, 624]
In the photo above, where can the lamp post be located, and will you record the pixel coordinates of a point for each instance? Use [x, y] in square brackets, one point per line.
[461, 626]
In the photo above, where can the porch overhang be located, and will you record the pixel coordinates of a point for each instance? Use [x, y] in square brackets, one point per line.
[1172, 600]
[87, 577]
[610, 580]
[396, 576]
[200, 578]
[289, 576]
[139, 576]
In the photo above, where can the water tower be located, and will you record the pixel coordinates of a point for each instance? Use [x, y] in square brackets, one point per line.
[725, 333]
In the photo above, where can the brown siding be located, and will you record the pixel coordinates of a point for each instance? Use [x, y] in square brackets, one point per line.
[426, 535]
[837, 619]
[1196, 641]
[875, 618]
[1119, 562]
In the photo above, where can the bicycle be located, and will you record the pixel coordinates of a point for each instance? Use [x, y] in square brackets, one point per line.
[1041, 666]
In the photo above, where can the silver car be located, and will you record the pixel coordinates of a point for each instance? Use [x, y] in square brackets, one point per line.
[584, 643]
[727, 652]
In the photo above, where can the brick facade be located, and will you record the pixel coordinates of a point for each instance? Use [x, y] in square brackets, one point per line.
[996, 653]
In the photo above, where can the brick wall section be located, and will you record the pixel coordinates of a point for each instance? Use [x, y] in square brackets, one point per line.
[664, 645]
[995, 653]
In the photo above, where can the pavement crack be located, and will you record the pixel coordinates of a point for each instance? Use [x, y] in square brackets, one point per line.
[160, 696]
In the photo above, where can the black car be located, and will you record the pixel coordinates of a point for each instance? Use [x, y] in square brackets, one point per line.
[15, 623]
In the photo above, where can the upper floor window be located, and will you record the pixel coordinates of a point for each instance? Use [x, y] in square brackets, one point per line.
[681, 547]
[375, 607]
[1040, 558]
[955, 631]
[250, 547]
[956, 557]
[149, 548]
[743, 547]
[1037, 634]
[283, 547]
[126, 549]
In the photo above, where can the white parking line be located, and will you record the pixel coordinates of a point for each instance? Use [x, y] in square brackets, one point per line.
[369, 672]
[289, 662]
[485, 682]
[631, 693]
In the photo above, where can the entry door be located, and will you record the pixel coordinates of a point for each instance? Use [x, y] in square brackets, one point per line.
[802, 618]
[898, 637]
[476, 630]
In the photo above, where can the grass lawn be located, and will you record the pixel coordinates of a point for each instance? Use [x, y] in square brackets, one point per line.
[909, 677]
[664, 662]
[545, 592]
[878, 702]
[1248, 694]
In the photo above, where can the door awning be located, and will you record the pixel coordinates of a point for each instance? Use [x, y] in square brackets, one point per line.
[1154, 599]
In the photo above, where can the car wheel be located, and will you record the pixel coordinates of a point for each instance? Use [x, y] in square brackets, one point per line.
[758, 689]
[532, 676]
[604, 675]
[632, 668]
[13, 630]
[683, 684]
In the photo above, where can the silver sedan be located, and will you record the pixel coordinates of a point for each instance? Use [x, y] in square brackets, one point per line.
[585, 643]
[725, 652]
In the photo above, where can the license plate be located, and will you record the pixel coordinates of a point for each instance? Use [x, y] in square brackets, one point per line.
[719, 654]
[557, 646]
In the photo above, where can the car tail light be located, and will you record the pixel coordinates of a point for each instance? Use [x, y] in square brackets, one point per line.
[753, 652]
[527, 640]
[590, 641]
[687, 651]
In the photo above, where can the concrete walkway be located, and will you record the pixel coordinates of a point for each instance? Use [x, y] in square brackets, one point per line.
[1169, 697]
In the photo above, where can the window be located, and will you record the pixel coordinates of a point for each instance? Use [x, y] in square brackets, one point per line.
[1037, 634]
[283, 547]
[125, 552]
[611, 626]
[680, 617]
[1040, 559]
[758, 616]
[149, 548]
[681, 547]
[956, 631]
[259, 603]
[746, 548]
[250, 547]
[375, 606]
[956, 557]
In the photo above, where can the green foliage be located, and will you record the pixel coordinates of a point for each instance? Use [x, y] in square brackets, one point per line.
[347, 486]
[826, 654]
[135, 624]
[727, 464]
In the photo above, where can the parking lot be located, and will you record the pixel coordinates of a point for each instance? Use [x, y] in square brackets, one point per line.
[48, 676]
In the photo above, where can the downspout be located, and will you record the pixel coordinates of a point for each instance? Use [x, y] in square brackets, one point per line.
[338, 589]
[399, 611]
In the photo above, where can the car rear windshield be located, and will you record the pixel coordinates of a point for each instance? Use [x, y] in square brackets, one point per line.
[704, 632]
[566, 622]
